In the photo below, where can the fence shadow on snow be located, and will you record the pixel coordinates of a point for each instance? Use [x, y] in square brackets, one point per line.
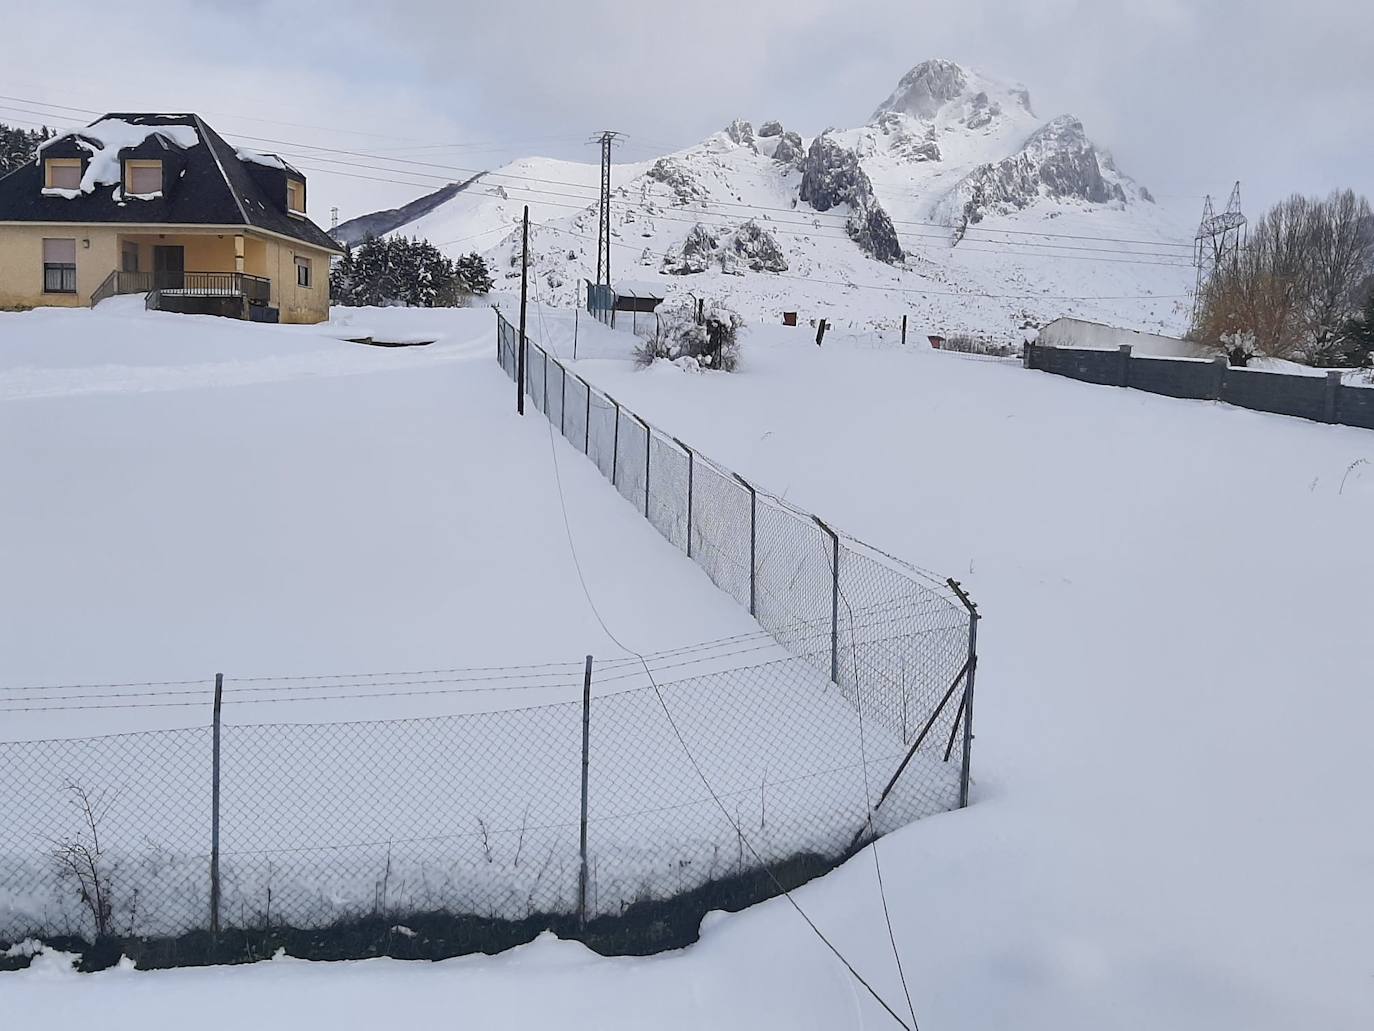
[747, 767]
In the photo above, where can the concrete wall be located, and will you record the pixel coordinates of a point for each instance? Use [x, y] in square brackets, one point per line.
[1078, 333]
[1319, 398]
[98, 253]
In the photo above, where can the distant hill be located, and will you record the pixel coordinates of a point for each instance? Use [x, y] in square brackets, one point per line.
[379, 223]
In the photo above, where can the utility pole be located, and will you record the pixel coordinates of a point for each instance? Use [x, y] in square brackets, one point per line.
[524, 284]
[603, 229]
[333, 219]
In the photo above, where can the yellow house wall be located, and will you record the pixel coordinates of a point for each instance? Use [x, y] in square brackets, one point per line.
[98, 253]
[21, 264]
[277, 257]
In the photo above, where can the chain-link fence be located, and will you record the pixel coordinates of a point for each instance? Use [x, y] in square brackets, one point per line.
[706, 777]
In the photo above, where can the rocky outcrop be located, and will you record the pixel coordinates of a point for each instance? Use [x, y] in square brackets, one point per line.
[741, 133]
[758, 249]
[750, 246]
[925, 89]
[770, 128]
[676, 177]
[790, 150]
[982, 111]
[694, 254]
[907, 138]
[831, 176]
[1057, 161]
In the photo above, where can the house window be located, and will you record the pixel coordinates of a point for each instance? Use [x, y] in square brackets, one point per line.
[143, 177]
[295, 196]
[303, 272]
[62, 173]
[59, 266]
[129, 257]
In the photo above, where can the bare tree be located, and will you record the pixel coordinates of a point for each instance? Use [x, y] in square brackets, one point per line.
[1297, 283]
[81, 858]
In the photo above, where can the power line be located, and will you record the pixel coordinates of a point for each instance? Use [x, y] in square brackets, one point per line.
[555, 182]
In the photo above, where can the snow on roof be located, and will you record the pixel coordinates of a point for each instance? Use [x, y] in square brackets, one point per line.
[640, 288]
[254, 157]
[104, 140]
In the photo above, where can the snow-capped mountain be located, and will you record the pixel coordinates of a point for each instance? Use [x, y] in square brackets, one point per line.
[954, 202]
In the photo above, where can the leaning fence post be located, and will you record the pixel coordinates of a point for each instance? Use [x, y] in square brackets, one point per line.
[834, 600]
[753, 543]
[691, 472]
[214, 812]
[586, 740]
[972, 666]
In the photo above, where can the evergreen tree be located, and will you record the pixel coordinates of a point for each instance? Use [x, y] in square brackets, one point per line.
[475, 275]
[19, 145]
[396, 271]
[1359, 335]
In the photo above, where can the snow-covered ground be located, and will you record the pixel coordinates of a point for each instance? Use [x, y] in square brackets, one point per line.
[1174, 686]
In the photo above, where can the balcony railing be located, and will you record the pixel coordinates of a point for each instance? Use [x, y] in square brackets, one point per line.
[255, 289]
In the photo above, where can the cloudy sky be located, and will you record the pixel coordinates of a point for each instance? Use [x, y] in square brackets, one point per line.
[1188, 96]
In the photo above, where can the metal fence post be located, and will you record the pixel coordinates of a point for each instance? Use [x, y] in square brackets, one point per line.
[972, 665]
[546, 384]
[214, 812]
[834, 600]
[615, 443]
[648, 450]
[562, 400]
[586, 755]
[691, 473]
[1124, 373]
[753, 543]
[587, 425]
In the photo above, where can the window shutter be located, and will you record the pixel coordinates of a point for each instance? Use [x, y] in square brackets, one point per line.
[59, 252]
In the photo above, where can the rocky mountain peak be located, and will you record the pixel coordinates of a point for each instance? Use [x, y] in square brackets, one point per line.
[934, 86]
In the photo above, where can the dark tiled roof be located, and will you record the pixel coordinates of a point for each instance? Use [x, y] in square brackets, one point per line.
[217, 188]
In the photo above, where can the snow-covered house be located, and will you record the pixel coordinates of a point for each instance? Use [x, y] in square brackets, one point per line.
[161, 205]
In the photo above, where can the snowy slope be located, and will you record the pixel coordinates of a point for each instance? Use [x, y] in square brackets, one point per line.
[1003, 219]
[190, 494]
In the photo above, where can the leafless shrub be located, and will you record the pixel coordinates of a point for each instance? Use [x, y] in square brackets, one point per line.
[81, 859]
[967, 343]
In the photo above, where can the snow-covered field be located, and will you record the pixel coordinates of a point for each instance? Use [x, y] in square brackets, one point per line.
[1174, 687]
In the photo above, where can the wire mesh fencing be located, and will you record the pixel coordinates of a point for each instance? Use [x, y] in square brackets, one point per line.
[642, 795]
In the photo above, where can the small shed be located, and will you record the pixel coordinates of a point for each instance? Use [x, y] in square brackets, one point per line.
[635, 296]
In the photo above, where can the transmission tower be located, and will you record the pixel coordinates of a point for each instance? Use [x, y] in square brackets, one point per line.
[1219, 239]
[603, 232]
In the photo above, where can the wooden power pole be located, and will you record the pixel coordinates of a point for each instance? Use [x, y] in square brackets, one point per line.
[524, 285]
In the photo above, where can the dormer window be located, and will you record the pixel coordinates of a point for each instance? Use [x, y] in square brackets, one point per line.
[142, 177]
[295, 196]
[62, 174]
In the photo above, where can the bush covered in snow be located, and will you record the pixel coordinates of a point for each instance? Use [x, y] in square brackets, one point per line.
[703, 333]
[396, 272]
